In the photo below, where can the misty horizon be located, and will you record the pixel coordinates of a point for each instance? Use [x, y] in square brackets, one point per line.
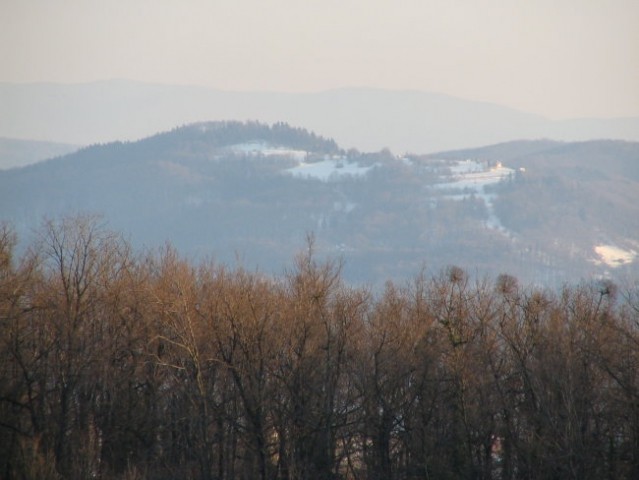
[560, 60]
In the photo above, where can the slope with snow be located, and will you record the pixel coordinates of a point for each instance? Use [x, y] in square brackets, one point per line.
[257, 149]
[614, 256]
[470, 178]
[330, 168]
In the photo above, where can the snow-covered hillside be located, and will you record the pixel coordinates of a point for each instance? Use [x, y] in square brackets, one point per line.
[265, 149]
[469, 178]
[544, 212]
[330, 168]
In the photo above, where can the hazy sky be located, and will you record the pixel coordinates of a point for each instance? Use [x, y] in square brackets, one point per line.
[560, 58]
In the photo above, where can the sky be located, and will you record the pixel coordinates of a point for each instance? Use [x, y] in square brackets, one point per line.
[557, 58]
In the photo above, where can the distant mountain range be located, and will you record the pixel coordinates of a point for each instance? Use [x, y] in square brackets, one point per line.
[19, 153]
[361, 118]
[544, 211]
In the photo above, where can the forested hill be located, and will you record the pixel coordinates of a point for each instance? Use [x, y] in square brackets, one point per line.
[600, 157]
[547, 212]
[210, 135]
[200, 139]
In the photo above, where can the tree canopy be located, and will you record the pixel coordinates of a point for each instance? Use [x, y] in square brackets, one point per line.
[124, 365]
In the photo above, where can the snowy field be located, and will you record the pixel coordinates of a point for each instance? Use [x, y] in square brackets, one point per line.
[470, 178]
[328, 169]
[614, 256]
[260, 149]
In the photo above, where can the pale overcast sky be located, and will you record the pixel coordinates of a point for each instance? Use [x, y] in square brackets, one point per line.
[559, 58]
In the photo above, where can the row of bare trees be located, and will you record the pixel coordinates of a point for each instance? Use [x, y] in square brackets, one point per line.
[118, 365]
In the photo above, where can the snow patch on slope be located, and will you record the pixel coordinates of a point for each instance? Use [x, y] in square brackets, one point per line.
[473, 175]
[469, 178]
[614, 256]
[331, 168]
[263, 149]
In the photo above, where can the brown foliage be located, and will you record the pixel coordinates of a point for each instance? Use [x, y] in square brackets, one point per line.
[123, 366]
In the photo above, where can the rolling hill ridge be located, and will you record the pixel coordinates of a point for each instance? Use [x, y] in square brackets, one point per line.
[547, 212]
[363, 118]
